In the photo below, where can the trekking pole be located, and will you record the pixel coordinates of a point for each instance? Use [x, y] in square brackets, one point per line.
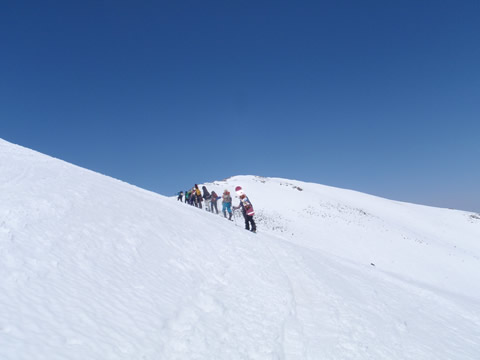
[235, 217]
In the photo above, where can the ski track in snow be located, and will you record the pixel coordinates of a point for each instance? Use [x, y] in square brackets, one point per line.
[93, 268]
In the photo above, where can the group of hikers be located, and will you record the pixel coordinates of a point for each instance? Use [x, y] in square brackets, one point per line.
[195, 197]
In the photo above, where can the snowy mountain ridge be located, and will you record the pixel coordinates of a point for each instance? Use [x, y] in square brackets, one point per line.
[432, 245]
[94, 268]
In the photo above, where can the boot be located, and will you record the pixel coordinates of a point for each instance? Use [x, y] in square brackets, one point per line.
[230, 216]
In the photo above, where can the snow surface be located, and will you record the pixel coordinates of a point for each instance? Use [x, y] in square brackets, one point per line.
[94, 268]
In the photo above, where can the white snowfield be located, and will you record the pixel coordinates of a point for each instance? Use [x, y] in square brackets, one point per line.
[94, 268]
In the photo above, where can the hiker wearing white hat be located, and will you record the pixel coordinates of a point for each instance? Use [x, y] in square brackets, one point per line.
[247, 209]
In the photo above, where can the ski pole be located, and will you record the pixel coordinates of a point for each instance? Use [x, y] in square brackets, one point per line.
[235, 217]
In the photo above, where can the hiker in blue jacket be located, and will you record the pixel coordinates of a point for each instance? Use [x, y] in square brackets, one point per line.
[227, 204]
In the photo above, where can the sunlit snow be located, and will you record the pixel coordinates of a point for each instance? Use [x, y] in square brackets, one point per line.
[94, 268]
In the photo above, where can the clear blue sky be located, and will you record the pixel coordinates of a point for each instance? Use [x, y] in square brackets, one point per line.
[377, 96]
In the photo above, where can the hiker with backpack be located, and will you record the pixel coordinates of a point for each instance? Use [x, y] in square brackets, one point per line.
[227, 204]
[193, 197]
[247, 209]
[180, 196]
[188, 197]
[213, 201]
[207, 197]
[198, 197]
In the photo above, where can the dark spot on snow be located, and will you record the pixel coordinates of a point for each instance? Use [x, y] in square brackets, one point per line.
[475, 216]
[261, 179]
[372, 264]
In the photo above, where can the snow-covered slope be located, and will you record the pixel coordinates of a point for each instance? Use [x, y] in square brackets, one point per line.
[431, 246]
[93, 268]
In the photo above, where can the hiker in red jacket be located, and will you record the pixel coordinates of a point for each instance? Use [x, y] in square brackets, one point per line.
[247, 209]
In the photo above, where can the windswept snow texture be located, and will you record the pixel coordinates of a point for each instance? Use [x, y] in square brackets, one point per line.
[94, 268]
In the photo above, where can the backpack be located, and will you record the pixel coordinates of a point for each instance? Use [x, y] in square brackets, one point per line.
[247, 205]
